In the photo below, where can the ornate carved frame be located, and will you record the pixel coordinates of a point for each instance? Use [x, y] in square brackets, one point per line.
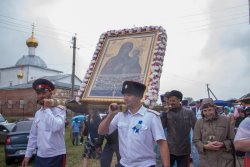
[150, 40]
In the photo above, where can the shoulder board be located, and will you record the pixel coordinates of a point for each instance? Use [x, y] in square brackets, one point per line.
[154, 112]
[61, 107]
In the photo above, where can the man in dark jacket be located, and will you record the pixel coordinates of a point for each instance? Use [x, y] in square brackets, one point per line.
[111, 147]
[178, 121]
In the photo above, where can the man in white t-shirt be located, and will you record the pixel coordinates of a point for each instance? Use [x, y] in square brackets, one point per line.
[138, 129]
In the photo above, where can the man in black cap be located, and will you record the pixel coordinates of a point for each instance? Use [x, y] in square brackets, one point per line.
[47, 131]
[138, 129]
[178, 121]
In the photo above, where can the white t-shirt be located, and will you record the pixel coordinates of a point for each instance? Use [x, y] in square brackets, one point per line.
[137, 136]
[243, 132]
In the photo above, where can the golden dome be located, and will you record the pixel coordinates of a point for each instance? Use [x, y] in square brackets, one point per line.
[31, 41]
[20, 73]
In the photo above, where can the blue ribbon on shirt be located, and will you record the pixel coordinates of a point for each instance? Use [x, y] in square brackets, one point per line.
[137, 127]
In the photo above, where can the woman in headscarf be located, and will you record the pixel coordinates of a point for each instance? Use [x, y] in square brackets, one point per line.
[213, 135]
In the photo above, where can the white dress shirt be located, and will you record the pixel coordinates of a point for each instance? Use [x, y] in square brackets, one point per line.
[137, 136]
[47, 133]
[198, 113]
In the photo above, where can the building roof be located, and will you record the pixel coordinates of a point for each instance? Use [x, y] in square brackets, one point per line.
[5, 68]
[59, 85]
[53, 79]
[31, 60]
[58, 77]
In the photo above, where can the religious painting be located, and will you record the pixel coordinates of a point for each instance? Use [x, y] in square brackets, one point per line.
[122, 55]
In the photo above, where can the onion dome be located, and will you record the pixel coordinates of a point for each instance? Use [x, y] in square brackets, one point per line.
[31, 41]
[20, 73]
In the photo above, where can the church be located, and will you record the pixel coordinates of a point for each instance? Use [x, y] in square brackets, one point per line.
[17, 97]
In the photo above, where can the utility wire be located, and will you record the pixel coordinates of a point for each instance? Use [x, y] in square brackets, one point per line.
[192, 82]
[27, 27]
[217, 27]
[46, 27]
[215, 18]
[218, 22]
[214, 11]
[49, 28]
[39, 31]
[40, 27]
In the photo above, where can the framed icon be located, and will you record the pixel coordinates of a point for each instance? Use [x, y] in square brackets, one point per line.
[135, 54]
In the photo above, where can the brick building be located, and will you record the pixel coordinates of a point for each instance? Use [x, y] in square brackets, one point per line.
[20, 99]
[17, 96]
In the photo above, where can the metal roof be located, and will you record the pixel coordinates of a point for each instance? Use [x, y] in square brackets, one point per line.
[51, 78]
[31, 60]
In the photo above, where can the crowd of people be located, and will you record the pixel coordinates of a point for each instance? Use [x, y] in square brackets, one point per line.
[213, 140]
[210, 134]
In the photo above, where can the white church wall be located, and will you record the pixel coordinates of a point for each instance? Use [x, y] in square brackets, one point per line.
[8, 77]
[35, 73]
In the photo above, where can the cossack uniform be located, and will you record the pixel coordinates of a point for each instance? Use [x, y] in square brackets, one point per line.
[137, 132]
[47, 132]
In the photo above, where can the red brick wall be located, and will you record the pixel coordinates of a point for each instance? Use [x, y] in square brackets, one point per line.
[29, 97]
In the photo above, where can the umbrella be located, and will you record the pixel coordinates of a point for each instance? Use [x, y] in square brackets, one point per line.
[232, 100]
[79, 117]
[221, 103]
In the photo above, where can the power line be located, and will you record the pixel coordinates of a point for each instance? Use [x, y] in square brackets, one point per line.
[219, 22]
[27, 27]
[14, 24]
[216, 27]
[39, 27]
[184, 79]
[46, 27]
[193, 82]
[14, 18]
[38, 34]
[213, 11]
[216, 18]
[40, 30]
[10, 28]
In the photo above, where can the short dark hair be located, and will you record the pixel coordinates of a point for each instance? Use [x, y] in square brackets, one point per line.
[166, 94]
[184, 102]
[175, 93]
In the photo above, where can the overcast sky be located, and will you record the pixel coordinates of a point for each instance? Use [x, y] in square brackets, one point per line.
[208, 40]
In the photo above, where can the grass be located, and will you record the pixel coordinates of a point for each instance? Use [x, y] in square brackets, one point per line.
[74, 153]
